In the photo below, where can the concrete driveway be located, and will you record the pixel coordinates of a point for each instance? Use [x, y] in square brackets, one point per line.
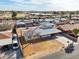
[64, 40]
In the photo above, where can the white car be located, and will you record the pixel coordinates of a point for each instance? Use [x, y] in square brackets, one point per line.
[15, 45]
[15, 42]
[14, 36]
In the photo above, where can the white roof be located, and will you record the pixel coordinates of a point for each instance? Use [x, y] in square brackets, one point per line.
[47, 31]
[40, 32]
[27, 21]
[5, 41]
[20, 23]
[41, 19]
[63, 19]
[49, 19]
[46, 23]
[56, 21]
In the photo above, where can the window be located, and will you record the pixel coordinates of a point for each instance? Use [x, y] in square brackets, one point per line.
[15, 44]
[14, 37]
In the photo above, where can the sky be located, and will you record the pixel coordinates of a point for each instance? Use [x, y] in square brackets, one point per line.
[40, 5]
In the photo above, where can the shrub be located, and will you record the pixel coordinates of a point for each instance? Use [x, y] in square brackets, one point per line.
[75, 31]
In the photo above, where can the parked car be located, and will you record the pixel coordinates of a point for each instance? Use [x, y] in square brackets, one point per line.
[14, 36]
[15, 42]
[15, 46]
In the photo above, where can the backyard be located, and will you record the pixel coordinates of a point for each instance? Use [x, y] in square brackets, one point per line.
[35, 47]
[5, 26]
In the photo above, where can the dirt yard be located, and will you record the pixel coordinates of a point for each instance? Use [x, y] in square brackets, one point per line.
[35, 47]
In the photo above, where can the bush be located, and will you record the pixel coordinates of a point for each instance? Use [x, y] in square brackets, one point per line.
[76, 31]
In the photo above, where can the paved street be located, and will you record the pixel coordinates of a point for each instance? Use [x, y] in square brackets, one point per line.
[63, 55]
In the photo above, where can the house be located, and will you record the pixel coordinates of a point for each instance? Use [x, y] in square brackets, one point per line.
[36, 32]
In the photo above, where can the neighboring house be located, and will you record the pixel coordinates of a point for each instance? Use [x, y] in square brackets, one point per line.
[68, 27]
[5, 38]
[75, 17]
[23, 23]
[1, 21]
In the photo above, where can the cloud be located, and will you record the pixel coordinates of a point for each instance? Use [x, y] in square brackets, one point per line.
[46, 4]
[31, 1]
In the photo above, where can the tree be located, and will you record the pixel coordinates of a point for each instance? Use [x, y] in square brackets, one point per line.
[55, 13]
[62, 13]
[70, 15]
[14, 14]
[77, 12]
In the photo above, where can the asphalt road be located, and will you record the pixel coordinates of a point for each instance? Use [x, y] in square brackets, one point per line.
[18, 54]
[63, 55]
